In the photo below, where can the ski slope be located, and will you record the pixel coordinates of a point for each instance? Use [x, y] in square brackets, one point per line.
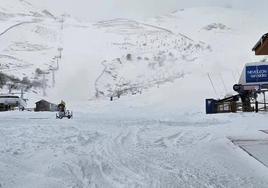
[171, 59]
[100, 149]
[155, 135]
[29, 39]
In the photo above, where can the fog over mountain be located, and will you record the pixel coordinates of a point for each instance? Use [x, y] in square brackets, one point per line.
[103, 9]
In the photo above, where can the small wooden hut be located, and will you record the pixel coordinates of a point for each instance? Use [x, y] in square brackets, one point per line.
[43, 105]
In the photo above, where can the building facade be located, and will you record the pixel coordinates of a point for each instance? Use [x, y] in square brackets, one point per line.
[45, 106]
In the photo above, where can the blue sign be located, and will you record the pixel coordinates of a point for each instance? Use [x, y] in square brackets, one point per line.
[257, 73]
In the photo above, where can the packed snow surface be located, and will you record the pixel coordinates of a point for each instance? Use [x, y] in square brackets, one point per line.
[108, 149]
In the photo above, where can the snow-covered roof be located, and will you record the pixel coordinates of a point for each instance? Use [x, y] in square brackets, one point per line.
[10, 99]
[42, 101]
[261, 48]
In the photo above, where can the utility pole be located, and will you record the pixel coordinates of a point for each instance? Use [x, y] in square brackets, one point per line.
[57, 58]
[54, 69]
[53, 78]
[22, 93]
[9, 88]
[60, 52]
[62, 21]
[264, 98]
[44, 85]
[57, 63]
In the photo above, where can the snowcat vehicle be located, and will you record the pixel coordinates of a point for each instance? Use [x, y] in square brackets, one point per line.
[64, 114]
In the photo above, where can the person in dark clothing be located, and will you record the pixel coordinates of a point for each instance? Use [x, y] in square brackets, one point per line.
[61, 106]
[246, 103]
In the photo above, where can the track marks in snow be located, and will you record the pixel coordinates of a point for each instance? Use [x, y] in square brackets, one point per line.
[15, 26]
[88, 152]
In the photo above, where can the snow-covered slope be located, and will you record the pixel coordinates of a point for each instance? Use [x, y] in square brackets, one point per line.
[229, 35]
[159, 137]
[152, 56]
[171, 57]
[29, 39]
[188, 47]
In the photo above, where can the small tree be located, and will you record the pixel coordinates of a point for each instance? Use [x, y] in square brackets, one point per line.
[26, 81]
[39, 71]
[3, 80]
[129, 57]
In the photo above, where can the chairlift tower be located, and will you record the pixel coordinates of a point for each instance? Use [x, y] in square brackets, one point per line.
[62, 21]
[52, 69]
[53, 78]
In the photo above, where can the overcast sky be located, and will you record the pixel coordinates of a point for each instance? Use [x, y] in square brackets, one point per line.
[100, 9]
